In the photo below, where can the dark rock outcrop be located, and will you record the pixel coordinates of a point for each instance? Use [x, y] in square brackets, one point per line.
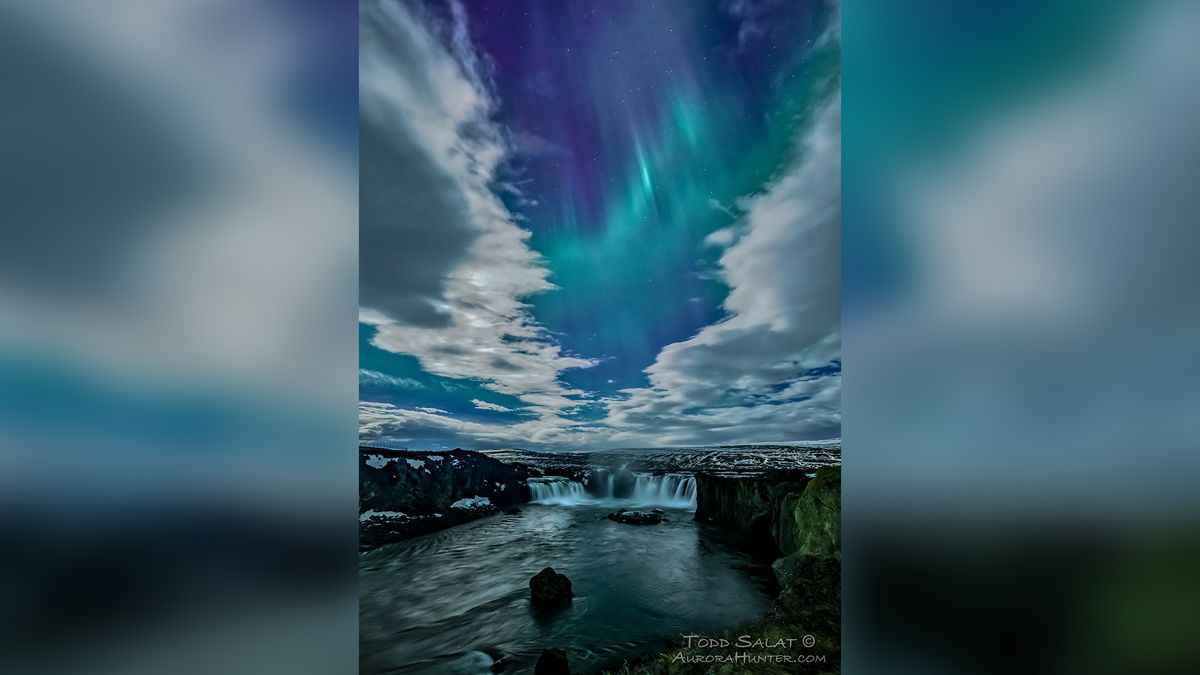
[600, 480]
[405, 493]
[748, 503]
[552, 662]
[808, 516]
[636, 517]
[550, 589]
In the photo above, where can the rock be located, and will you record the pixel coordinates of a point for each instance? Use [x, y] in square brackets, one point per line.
[809, 521]
[512, 511]
[747, 503]
[636, 517]
[550, 589]
[810, 588]
[623, 483]
[553, 661]
[414, 487]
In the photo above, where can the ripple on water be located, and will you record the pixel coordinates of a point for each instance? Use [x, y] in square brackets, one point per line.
[445, 602]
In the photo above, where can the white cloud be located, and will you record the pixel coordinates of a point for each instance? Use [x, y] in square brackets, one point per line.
[378, 379]
[722, 237]
[386, 421]
[484, 405]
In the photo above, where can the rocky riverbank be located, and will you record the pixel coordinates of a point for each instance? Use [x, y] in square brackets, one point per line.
[404, 493]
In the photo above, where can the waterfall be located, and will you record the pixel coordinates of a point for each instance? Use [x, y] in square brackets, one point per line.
[672, 489]
[556, 490]
[676, 490]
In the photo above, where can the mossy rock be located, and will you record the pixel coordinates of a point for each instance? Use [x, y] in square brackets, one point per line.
[810, 521]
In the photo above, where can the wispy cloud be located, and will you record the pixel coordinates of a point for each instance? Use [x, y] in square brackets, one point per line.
[484, 405]
[375, 378]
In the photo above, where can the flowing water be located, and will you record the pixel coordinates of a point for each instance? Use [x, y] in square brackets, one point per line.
[457, 601]
[672, 489]
[555, 490]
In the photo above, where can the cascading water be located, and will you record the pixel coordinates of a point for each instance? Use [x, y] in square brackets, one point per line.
[557, 490]
[672, 489]
[675, 490]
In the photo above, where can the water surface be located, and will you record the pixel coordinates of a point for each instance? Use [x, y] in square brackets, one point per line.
[457, 601]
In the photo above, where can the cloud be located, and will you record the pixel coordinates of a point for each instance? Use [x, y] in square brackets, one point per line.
[484, 405]
[433, 411]
[375, 378]
[379, 421]
[746, 377]
[532, 145]
[445, 270]
[722, 237]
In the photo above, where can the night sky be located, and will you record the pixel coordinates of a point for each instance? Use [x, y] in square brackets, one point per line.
[599, 224]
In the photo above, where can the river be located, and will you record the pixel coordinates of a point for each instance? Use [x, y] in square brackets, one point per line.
[457, 601]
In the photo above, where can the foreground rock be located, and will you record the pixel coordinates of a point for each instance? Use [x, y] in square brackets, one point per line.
[636, 517]
[552, 662]
[404, 493]
[550, 589]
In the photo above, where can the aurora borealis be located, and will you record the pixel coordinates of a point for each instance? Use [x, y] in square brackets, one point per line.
[599, 224]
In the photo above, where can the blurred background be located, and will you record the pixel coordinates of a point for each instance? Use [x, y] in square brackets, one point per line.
[1021, 323]
[178, 287]
[178, 366]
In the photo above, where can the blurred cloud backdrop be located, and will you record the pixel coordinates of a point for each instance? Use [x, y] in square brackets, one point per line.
[178, 400]
[1021, 322]
[177, 348]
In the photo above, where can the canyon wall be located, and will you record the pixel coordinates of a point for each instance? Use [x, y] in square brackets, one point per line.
[405, 493]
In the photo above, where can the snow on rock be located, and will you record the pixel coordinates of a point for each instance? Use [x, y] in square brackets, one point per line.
[471, 503]
[377, 461]
[368, 515]
[416, 463]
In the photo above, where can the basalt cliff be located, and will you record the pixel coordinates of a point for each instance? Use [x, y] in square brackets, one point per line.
[404, 493]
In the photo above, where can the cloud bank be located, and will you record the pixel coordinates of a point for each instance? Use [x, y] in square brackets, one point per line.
[445, 270]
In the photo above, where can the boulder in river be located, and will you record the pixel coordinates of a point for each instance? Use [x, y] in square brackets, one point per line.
[550, 589]
[553, 661]
[636, 517]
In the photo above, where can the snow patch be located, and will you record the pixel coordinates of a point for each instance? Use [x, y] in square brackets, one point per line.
[377, 461]
[386, 515]
[471, 503]
[416, 463]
